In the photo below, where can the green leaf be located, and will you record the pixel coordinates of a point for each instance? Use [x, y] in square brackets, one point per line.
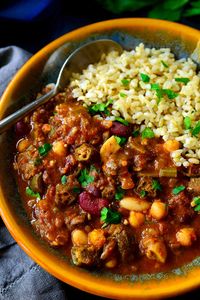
[120, 140]
[155, 87]
[143, 193]
[164, 64]
[148, 133]
[31, 193]
[84, 178]
[170, 94]
[178, 189]
[144, 77]
[184, 80]
[196, 129]
[120, 6]
[195, 3]
[119, 193]
[121, 120]
[100, 107]
[156, 185]
[64, 179]
[136, 133]
[109, 216]
[197, 208]
[174, 4]
[187, 122]
[44, 149]
[158, 12]
[195, 11]
[125, 81]
[196, 200]
[123, 95]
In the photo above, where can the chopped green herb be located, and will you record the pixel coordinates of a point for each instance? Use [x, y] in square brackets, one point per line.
[44, 149]
[156, 185]
[144, 77]
[64, 179]
[100, 107]
[170, 94]
[120, 140]
[125, 81]
[148, 133]
[121, 120]
[31, 193]
[184, 80]
[196, 200]
[187, 123]
[85, 179]
[164, 64]
[143, 193]
[197, 208]
[196, 129]
[122, 95]
[37, 161]
[119, 193]
[155, 86]
[76, 189]
[136, 133]
[178, 189]
[109, 216]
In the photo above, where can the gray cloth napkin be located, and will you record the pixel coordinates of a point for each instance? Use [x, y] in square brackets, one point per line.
[20, 277]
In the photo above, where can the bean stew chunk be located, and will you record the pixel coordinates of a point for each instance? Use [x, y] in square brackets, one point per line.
[105, 197]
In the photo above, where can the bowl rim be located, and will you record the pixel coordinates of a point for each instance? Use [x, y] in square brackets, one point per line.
[17, 231]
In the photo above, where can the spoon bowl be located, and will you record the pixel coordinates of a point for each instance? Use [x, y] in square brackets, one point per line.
[78, 60]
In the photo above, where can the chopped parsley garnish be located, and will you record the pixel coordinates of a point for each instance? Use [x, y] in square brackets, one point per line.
[125, 81]
[76, 189]
[184, 80]
[164, 64]
[170, 94]
[100, 107]
[64, 179]
[196, 203]
[121, 120]
[196, 129]
[122, 95]
[44, 149]
[156, 185]
[187, 122]
[196, 200]
[119, 193]
[155, 86]
[197, 208]
[85, 179]
[178, 189]
[148, 133]
[31, 193]
[143, 193]
[120, 140]
[136, 133]
[144, 77]
[109, 216]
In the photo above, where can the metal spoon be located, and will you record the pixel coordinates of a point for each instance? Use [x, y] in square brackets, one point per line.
[77, 61]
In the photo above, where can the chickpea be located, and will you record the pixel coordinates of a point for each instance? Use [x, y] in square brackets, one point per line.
[97, 238]
[59, 148]
[136, 219]
[23, 145]
[158, 210]
[111, 263]
[171, 145]
[186, 236]
[79, 237]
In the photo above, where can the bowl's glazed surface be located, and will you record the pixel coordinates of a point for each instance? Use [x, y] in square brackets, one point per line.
[184, 42]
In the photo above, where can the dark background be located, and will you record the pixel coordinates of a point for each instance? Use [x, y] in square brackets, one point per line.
[31, 24]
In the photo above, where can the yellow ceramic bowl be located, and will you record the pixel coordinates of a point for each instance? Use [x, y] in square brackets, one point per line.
[129, 32]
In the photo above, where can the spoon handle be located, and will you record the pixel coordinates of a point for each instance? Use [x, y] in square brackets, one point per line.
[22, 112]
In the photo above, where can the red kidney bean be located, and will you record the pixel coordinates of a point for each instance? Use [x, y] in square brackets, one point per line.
[120, 129]
[92, 189]
[21, 129]
[91, 204]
